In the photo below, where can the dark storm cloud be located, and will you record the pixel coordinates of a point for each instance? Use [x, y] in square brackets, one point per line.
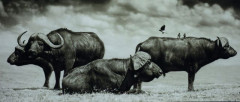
[95, 1]
[128, 8]
[7, 21]
[225, 4]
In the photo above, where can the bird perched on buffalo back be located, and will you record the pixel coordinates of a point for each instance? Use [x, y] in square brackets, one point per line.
[179, 35]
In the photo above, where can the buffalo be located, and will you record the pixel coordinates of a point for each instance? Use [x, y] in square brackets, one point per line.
[63, 49]
[19, 58]
[111, 75]
[188, 54]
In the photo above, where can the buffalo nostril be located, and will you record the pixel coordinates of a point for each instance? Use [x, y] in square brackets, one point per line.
[233, 53]
[8, 60]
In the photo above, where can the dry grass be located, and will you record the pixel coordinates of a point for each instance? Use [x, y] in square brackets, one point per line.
[163, 93]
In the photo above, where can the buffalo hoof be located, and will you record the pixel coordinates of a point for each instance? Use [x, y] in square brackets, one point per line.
[134, 91]
[46, 85]
[191, 90]
[57, 88]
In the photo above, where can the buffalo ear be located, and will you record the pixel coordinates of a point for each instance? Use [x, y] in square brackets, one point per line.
[140, 59]
[222, 41]
[219, 44]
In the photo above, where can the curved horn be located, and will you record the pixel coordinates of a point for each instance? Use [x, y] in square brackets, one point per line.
[48, 42]
[19, 42]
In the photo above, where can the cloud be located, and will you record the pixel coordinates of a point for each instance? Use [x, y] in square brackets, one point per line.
[154, 8]
[95, 1]
[225, 4]
[5, 20]
[215, 16]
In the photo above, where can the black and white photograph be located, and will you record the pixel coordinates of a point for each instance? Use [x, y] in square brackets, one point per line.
[119, 50]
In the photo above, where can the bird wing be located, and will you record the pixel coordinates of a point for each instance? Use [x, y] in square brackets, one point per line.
[163, 27]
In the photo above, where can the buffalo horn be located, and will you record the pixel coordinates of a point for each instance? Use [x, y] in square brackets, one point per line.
[48, 42]
[18, 40]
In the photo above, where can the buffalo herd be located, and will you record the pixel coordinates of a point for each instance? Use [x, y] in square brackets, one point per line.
[79, 55]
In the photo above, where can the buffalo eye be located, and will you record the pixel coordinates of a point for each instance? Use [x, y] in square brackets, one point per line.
[17, 52]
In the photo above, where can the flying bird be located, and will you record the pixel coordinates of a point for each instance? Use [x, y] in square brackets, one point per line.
[162, 29]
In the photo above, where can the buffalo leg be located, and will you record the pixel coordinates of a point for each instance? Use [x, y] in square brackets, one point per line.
[57, 77]
[68, 66]
[47, 74]
[134, 88]
[137, 88]
[191, 77]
